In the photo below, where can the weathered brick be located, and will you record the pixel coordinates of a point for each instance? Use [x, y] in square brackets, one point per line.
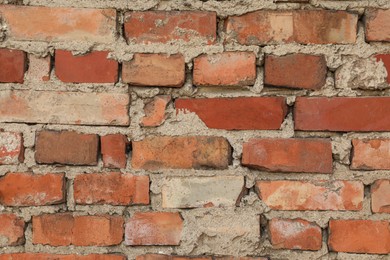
[311, 195]
[288, 155]
[380, 196]
[11, 230]
[38, 68]
[377, 25]
[371, 154]
[340, 114]
[113, 149]
[359, 236]
[150, 70]
[93, 67]
[39, 23]
[164, 27]
[12, 65]
[295, 71]
[154, 228]
[66, 229]
[64, 107]
[111, 188]
[193, 192]
[295, 234]
[242, 113]
[29, 189]
[385, 58]
[43, 256]
[225, 69]
[183, 152]
[66, 147]
[301, 26]
[11, 148]
[155, 111]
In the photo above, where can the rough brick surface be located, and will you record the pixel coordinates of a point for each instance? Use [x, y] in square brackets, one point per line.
[371, 154]
[155, 111]
[380, 196]
[288, 155]
[11, 148]
[65, 229]
[42, 256]
[12, 65]
[339, 114]
[41, 23]
[111, 188]
[359, 236]
[295, 234]
[11, 230]
[92, 67]
[318, 195]
[181, 153]
[245, 113]
[154, 228]
[29, 189]
[64, 107]
[66, 148]
[377, 25]
[113, 149]
[164, 27]
[225, 69]
[303, 26]
[295, 71]
[385, 58]
[154, 70]
[219, 191]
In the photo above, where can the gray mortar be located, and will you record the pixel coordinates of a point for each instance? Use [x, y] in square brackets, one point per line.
[197, 240]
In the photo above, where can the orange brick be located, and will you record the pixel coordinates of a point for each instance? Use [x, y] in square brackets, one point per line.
[158, 70]
[377, 25]
[184, 152]
[359, 236]
[311, 195]
[38, 23]
[155, 111]
[225, 69]
[111, 188]
[11, 230]
[301, 26]
[371, 154]
[28, 189]
[154, 228]
[113, 149]
[380, 196]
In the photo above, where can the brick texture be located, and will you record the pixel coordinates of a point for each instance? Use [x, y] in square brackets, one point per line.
[11, 148]
[11, 230]
[380, 196]
[377, 28]
[12, 65]
[42, 256]
[113, 149]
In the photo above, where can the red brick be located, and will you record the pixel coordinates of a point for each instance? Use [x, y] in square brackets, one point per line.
[164, 27]
[359, 236]
[385, 58]
[113, 149]
[186, 152]
[93, 67]
[371, 154]
[243, 113]
[295, 234]
[340, 114]
[11, 230]
[39, 68]
[169, 257]
[66, 147]
[301, 26]
[38, 23]
[43, 256]
[288, 155]
[155, 111]
[12, 65]
[54, 107]
[377, 25]
[28, 189]
[295, 71]
[11, 148]
[65, 229]
[154, 228]
[150, 70]
[380, 196]
[313, 195]
[111, 188]
[225, 69]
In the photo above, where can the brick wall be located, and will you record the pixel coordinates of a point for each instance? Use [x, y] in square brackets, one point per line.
[177, 130]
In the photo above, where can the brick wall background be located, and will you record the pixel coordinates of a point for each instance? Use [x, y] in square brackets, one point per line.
[215, 130]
